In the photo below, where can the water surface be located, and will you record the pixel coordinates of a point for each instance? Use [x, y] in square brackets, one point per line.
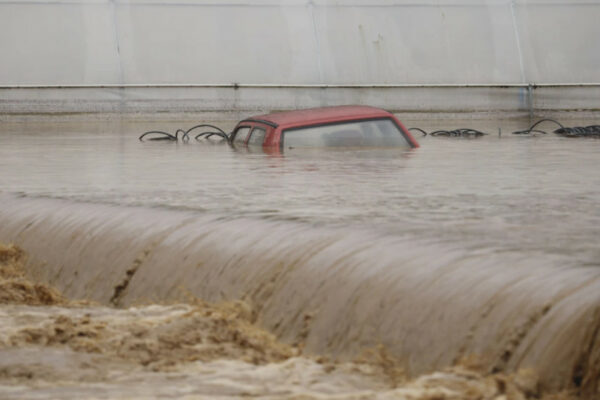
[498, 192]
[463, 247]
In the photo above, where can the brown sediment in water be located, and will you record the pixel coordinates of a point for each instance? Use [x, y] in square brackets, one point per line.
[184, 334]
[15, 288]
[203, 332]
[154, 341]
[326, 291]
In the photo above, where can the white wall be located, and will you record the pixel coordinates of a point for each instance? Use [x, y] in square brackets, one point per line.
[70, 42]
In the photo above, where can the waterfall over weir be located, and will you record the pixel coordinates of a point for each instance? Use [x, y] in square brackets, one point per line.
[337, 290]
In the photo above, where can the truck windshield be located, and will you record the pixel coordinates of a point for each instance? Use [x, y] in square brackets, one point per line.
[367, 133]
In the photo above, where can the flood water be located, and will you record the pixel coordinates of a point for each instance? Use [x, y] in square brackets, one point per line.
[485, 246]
[506, 192]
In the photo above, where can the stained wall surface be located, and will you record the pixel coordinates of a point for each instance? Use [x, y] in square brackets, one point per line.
[71, 42]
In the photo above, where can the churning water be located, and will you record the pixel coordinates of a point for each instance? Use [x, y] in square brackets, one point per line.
[484, 246]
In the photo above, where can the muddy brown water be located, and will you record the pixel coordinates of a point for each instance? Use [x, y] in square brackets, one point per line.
[464, 247]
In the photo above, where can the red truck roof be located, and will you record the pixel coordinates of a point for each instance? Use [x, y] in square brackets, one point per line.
[281, 121]
[312, 116]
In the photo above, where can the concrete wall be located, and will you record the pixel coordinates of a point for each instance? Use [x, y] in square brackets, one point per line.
[48, 42]
[359, 42]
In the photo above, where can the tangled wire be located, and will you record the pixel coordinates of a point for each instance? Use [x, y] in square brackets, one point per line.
[185, 135]
[577, 131]
[461, 132]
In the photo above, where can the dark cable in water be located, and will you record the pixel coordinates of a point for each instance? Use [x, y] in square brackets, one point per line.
[576, 131]
[461, 132]
[580, 131]
[219, 132]
[162, 135]
[419, 130]
[185, 135]
[533, 130]
[208, 134]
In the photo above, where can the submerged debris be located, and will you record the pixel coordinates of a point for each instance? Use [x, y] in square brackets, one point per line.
[185, 134]
[577, 131]
[15, 288]
[461, 132]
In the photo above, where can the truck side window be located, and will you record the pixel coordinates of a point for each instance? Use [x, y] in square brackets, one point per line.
[241, 135]
[257, 137]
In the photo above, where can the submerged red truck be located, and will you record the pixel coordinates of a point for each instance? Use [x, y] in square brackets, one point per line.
[342, 126]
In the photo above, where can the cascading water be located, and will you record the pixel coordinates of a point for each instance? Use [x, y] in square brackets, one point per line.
[466, 248]
[429, 304]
